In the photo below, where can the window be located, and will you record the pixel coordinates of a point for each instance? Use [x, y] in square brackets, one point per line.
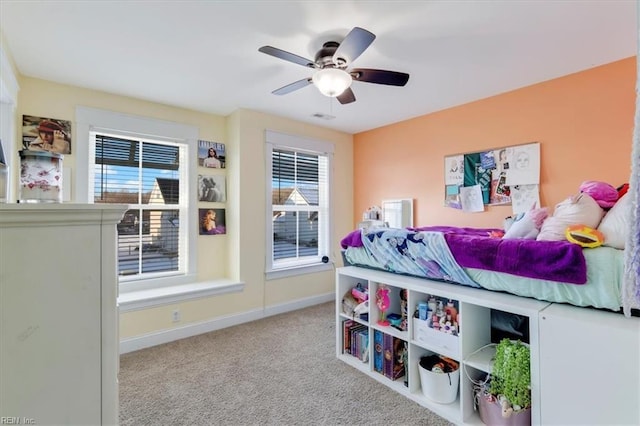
[298, 197]
[146, 175]
[145, 164]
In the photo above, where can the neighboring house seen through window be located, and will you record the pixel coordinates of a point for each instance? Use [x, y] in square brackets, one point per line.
[298, 178]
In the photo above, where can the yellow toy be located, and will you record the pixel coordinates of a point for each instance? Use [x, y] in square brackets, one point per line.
[584, 236]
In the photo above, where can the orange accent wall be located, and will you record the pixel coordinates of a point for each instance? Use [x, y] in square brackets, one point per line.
[583, 121]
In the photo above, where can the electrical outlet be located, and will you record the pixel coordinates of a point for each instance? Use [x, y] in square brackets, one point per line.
[175, 315]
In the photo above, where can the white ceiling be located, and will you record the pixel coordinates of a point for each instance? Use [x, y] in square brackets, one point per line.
[203, 55]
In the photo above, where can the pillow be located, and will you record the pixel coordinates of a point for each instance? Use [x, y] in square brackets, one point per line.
[622, 189]
[577, 209]
[584, 236]
[604, 194]
[527, 225]
[615, 223]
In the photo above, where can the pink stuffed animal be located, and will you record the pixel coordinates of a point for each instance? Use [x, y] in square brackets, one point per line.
[604, 194]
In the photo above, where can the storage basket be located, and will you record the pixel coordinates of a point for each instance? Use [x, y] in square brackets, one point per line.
[491, 413]
[439, 387]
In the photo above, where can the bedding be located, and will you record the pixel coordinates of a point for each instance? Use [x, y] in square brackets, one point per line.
[554, 271]
[473, 248]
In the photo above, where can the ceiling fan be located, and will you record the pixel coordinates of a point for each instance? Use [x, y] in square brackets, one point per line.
[332, 77]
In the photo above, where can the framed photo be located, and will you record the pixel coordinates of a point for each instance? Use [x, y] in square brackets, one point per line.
[212, 221]
[211, 154]
[212, 188]
[46, 134]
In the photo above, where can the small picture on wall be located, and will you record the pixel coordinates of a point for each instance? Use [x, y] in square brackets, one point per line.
[212, 221]
[454, 170]
[452, 197]
[211, 154]
[212, 188]
[46, 134]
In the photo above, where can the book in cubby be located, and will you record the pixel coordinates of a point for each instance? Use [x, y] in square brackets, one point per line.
[356, 340]
[378, 352]
[394, 356]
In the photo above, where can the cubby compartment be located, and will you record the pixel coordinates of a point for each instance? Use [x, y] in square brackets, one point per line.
[390, 356]
[353, 299]
[355, 339]
[434, 323]
[387, 306]
[471, 380]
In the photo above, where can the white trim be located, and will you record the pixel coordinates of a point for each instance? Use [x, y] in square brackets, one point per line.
[151, 298]
[298, 270]
[298, 304]
[165, 336]
[8, 100]
[298, 142]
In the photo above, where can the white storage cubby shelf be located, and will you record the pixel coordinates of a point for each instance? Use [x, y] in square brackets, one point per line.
[474, 308]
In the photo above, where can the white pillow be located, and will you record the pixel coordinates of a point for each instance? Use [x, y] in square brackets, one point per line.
[615, 223]
[579, 209]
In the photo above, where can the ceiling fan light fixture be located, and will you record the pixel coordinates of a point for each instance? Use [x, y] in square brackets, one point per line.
[332, 81]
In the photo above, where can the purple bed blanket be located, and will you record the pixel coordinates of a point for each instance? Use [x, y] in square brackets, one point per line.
[559, 261]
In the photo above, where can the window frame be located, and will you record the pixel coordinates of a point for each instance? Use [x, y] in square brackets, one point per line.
[90, 121]
[277, 140]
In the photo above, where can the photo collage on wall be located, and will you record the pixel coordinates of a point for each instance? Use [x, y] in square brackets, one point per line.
[503, 176]
[212, 188]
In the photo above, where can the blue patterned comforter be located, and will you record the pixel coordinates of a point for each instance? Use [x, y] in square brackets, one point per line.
[423, 253]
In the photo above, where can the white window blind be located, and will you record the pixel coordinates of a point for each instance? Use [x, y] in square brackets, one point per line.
[148, 176]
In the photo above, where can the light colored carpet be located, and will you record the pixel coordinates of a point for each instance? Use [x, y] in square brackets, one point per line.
[278, 371]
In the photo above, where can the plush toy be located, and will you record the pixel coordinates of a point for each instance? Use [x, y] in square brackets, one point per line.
[604, 194]
[584, 236]
[360, 292]
[349, 304]
[527, 225]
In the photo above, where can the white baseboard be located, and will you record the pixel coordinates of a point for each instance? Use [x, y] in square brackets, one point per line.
[165, 336]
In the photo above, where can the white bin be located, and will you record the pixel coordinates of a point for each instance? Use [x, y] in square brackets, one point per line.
[439, 387]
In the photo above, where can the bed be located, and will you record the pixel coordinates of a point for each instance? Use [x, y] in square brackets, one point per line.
[553, 271]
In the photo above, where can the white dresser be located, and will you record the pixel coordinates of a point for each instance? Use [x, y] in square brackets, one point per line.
[58, 313]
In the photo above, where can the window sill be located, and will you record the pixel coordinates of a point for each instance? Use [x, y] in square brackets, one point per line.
[144, 299]
[299, 270]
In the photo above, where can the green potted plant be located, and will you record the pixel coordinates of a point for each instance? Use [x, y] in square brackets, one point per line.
[507, 399]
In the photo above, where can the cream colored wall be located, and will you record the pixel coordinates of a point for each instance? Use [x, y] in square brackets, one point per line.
[251, 128]
[246, 227]
[240, 254]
